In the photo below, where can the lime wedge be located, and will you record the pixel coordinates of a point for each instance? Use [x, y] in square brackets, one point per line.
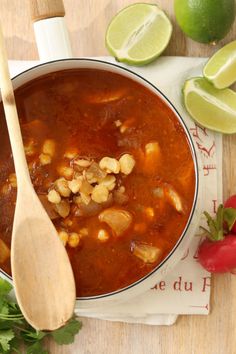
[221, 68]
[212, 108]
[138, 34]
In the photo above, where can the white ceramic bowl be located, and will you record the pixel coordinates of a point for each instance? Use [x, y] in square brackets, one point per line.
[97, 302]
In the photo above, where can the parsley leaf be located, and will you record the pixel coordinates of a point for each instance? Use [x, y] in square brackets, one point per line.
[5, 287]
[5, 337]
[36, 348]
[66, 334]
[15, 331]
[32, 335]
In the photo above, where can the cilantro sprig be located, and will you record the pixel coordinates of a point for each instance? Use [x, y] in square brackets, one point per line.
[15, 330]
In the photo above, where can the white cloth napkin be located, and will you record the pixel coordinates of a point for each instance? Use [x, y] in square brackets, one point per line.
[187, 289]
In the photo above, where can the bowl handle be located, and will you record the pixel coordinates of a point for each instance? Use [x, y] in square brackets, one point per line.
[50, 29]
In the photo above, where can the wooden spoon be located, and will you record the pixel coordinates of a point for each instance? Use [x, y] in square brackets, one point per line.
[42, 274]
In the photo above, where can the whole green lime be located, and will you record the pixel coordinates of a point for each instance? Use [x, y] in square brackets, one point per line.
[205, 21]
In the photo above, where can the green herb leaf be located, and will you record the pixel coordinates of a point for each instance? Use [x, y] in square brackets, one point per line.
[14, 329]
[5, 287]
[32, 335]
[5, 337]
[15, 343]
[36, 348]
[230, 217]
[66, 334]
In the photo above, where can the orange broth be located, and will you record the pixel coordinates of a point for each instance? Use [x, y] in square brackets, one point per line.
[84, 110]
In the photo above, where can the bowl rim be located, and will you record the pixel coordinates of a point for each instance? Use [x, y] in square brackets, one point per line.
[167, 101]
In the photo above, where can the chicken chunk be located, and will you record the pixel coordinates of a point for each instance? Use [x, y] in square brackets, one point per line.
[145, 252]
[174, 198]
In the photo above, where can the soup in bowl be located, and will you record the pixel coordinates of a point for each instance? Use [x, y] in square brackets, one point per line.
[115, 168]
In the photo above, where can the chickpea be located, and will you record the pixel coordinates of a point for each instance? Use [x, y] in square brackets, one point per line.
[127, 163]
[109, 165]
[74, 240]
[54, 197]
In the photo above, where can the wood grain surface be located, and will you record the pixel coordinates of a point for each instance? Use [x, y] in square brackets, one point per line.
[214, 334]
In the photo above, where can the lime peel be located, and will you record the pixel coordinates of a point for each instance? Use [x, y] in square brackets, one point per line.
[221, 67]
[212, 108]
[132, 34]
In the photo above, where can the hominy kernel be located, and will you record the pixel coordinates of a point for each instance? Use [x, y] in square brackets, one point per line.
[71, 154]
[54, 197]
[100, 194]
[5, 189]
[30, 148]
[85, 198]
[118, 123]
[109, 182]
[75, 185]
[63, 208]
[127, 163]
[150, 213]
[61, 186]
[103, 235]
[84, 232]
[73, 239]
[82, 162]
[45, 159]
[64, 236]
[109, 165]
[65, 171]
[12, 179]
[152, 148]
[49, 147]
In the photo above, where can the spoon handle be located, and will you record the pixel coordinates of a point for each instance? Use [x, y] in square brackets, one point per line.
[42, 9]
[11, 115]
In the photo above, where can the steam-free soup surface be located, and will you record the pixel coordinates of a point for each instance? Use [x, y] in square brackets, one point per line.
[113, 168]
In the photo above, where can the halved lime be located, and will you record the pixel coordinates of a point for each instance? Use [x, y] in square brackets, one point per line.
[212, 108]
[221, 68]
[138, 34]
